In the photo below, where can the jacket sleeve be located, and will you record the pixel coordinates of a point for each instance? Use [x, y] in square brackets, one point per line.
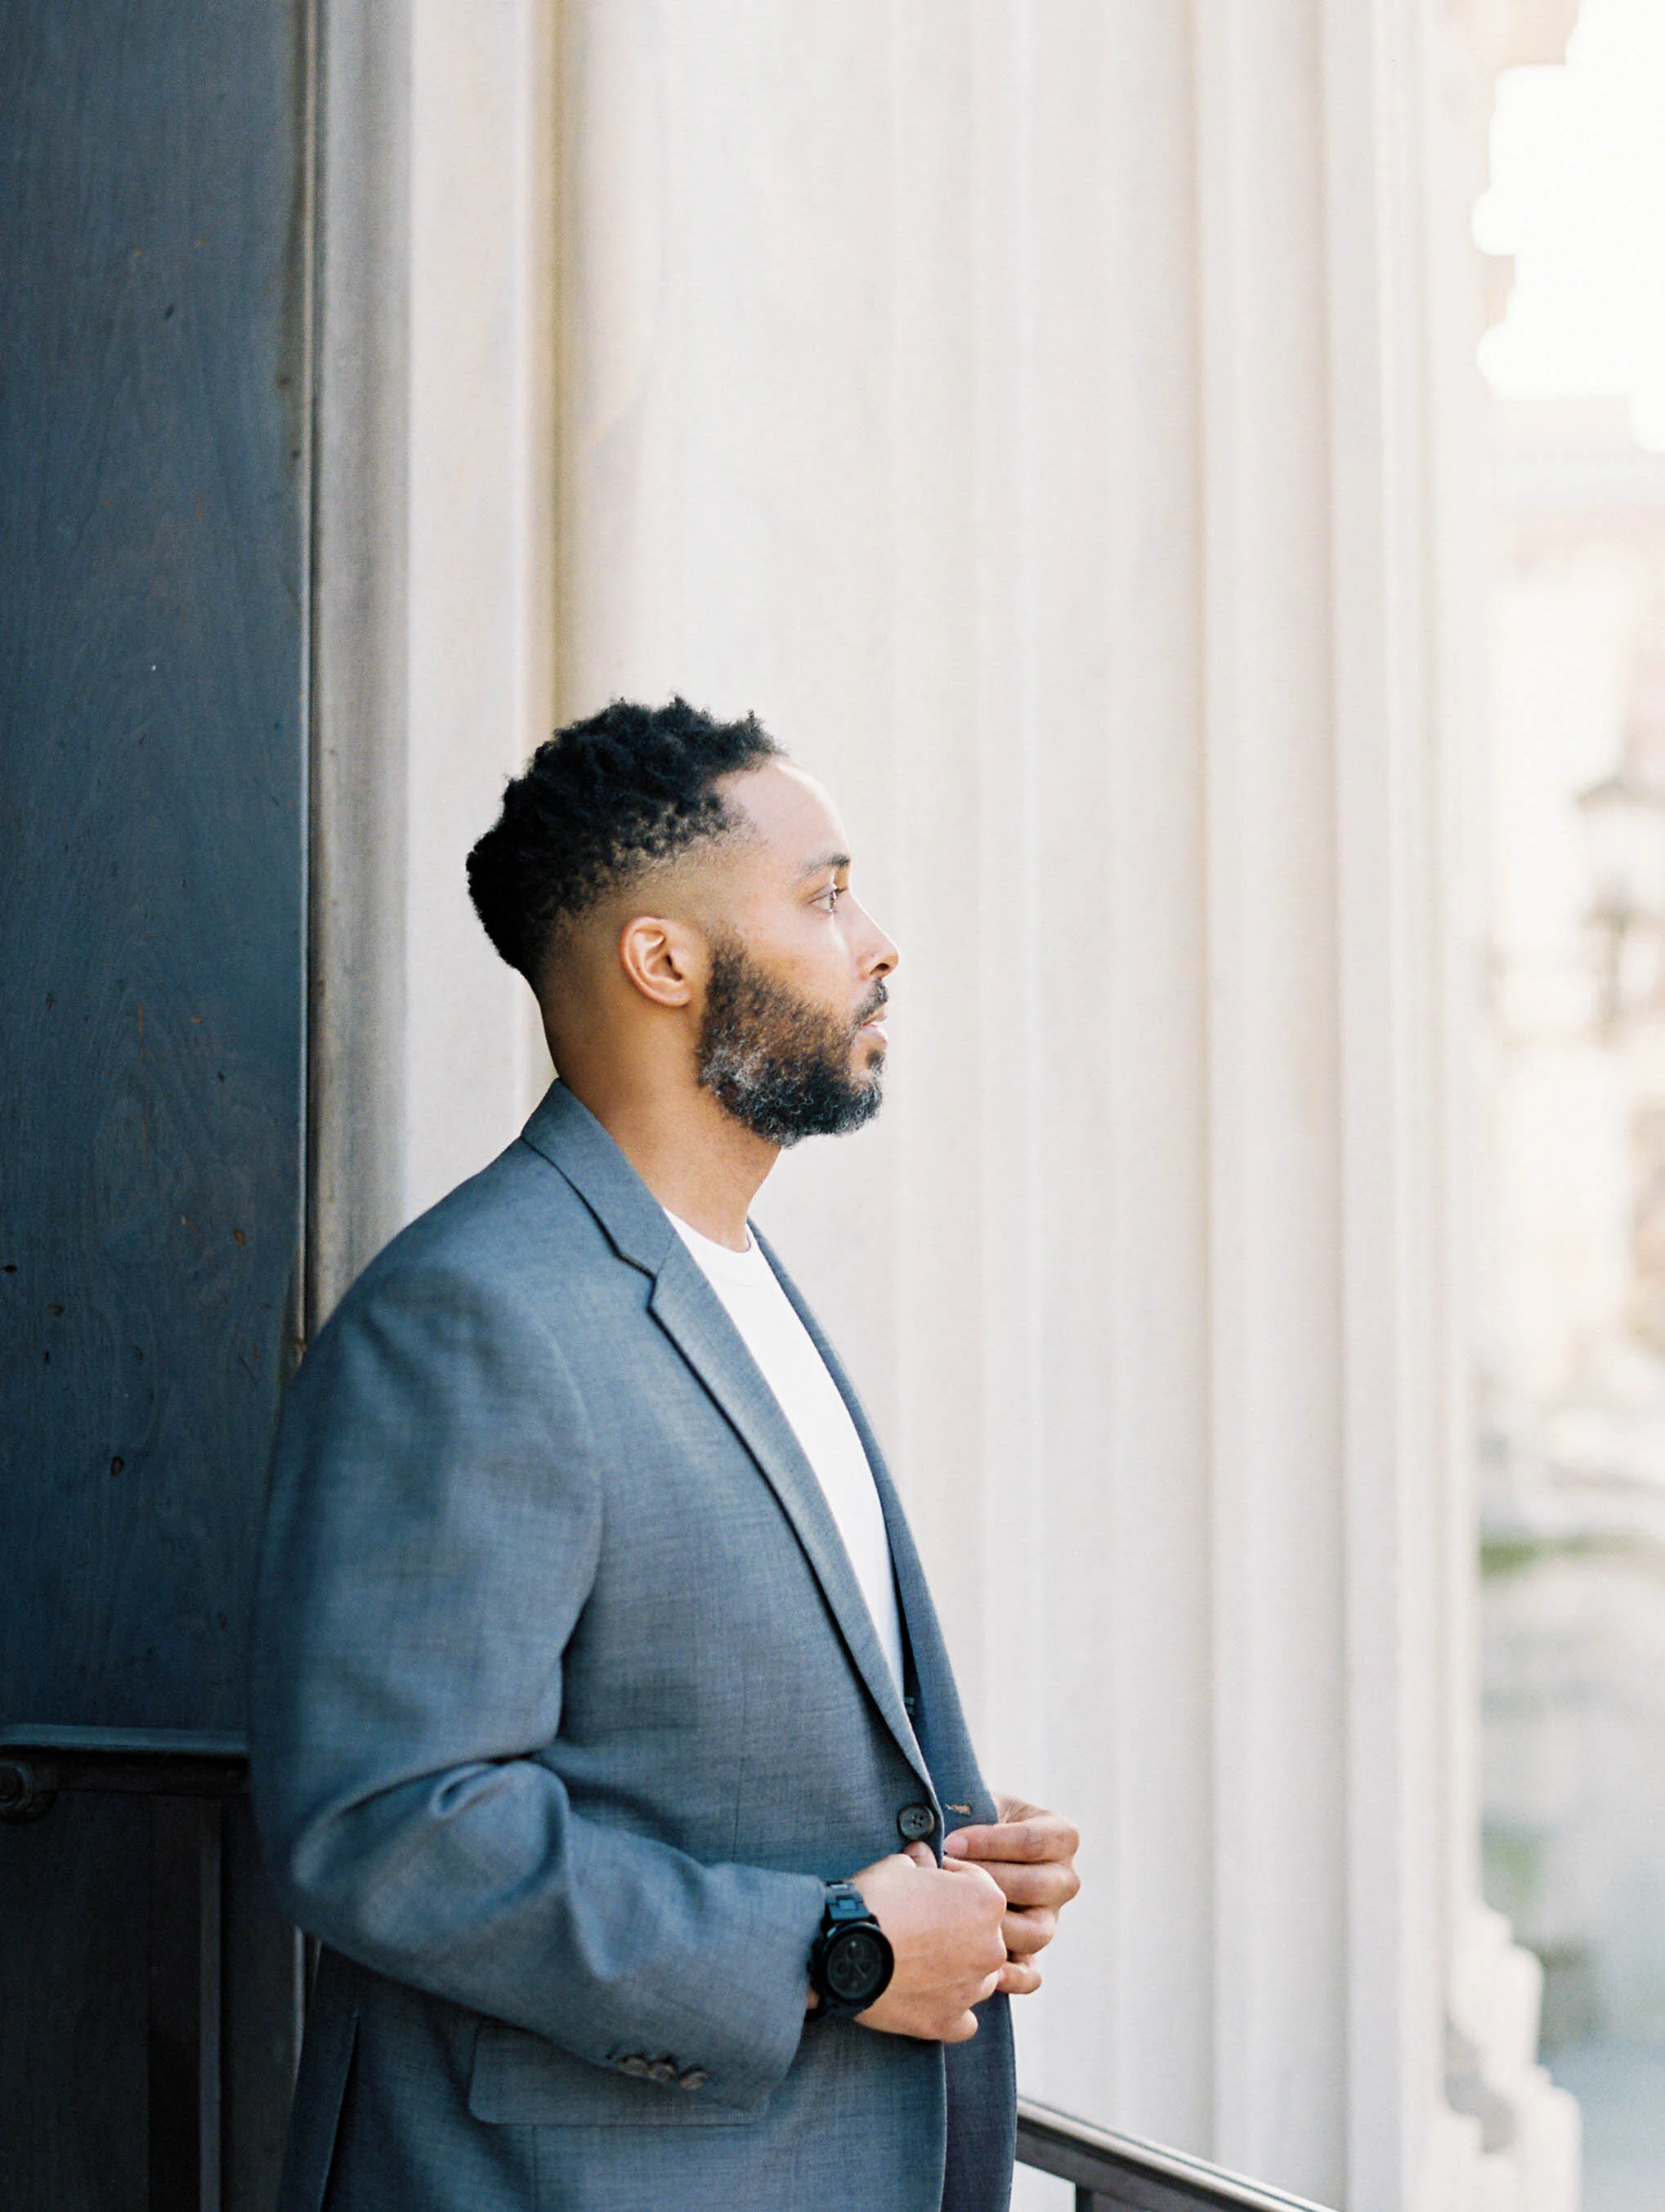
[434, 1529]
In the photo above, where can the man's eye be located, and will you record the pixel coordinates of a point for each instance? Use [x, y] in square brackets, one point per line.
[828, 898]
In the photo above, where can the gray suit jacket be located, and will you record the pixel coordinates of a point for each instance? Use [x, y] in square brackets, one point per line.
[565, 1701]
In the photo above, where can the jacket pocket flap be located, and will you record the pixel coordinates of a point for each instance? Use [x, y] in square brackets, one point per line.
[521, 2080]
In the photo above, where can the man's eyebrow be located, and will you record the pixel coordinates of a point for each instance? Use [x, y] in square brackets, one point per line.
[822, 862]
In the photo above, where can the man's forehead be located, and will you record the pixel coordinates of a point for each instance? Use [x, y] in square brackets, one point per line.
[792, 814]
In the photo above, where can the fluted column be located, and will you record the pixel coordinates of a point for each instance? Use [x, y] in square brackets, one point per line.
[1029, 410]
[433, 628]
[1276, 1383]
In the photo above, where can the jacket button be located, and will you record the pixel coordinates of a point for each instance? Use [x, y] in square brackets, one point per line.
[695, 2078]
[917, 1823]
[635, 2066]
[661, 2070]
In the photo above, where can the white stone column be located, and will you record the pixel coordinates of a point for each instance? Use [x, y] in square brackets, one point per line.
[1036, 412]
[1275, 1383]
[433, 621]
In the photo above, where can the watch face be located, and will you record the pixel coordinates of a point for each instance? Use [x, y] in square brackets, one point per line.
[856, 1963]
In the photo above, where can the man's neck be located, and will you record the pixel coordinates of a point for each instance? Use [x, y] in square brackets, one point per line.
[699, 1161]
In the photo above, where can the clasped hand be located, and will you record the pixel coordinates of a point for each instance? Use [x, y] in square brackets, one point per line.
[972, 1926]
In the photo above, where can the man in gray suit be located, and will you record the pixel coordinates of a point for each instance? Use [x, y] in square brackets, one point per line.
[602, 1730]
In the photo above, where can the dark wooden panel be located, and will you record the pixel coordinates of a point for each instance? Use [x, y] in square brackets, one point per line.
[152, 811]
[151, 840]
[74, 1902]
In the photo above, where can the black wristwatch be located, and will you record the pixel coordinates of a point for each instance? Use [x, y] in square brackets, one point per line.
[851, 1961]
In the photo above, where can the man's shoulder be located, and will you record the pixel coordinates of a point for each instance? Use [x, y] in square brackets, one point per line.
[518, 1227]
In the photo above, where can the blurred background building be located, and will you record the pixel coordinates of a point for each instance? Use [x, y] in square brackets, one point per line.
[1571, 1353]
[1059, 420]
[1572, 1366]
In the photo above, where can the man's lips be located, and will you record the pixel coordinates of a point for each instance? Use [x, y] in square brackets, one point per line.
[871, 1018]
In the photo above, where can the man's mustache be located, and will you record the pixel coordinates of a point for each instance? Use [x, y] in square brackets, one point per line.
[876, 998]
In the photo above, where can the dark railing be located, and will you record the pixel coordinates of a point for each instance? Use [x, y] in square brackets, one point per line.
[184, 1777]
[1110, 2169]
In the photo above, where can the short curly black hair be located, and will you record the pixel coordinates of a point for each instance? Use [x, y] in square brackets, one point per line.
[600, 800]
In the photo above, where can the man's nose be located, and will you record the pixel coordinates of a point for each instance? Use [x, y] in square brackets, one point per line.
[879, 956]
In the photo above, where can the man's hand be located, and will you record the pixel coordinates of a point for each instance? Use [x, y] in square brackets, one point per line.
[944, 1925]
[1031, 1853]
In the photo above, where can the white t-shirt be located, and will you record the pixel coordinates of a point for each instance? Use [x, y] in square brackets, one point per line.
[806, 1394]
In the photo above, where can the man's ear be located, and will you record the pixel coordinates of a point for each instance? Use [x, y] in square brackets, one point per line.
[666, 961]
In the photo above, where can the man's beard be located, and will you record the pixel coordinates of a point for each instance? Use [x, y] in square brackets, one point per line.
[779, 1063]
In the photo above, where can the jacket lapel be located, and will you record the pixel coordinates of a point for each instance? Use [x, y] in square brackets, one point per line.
[944, 1736]
[694, 1319]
